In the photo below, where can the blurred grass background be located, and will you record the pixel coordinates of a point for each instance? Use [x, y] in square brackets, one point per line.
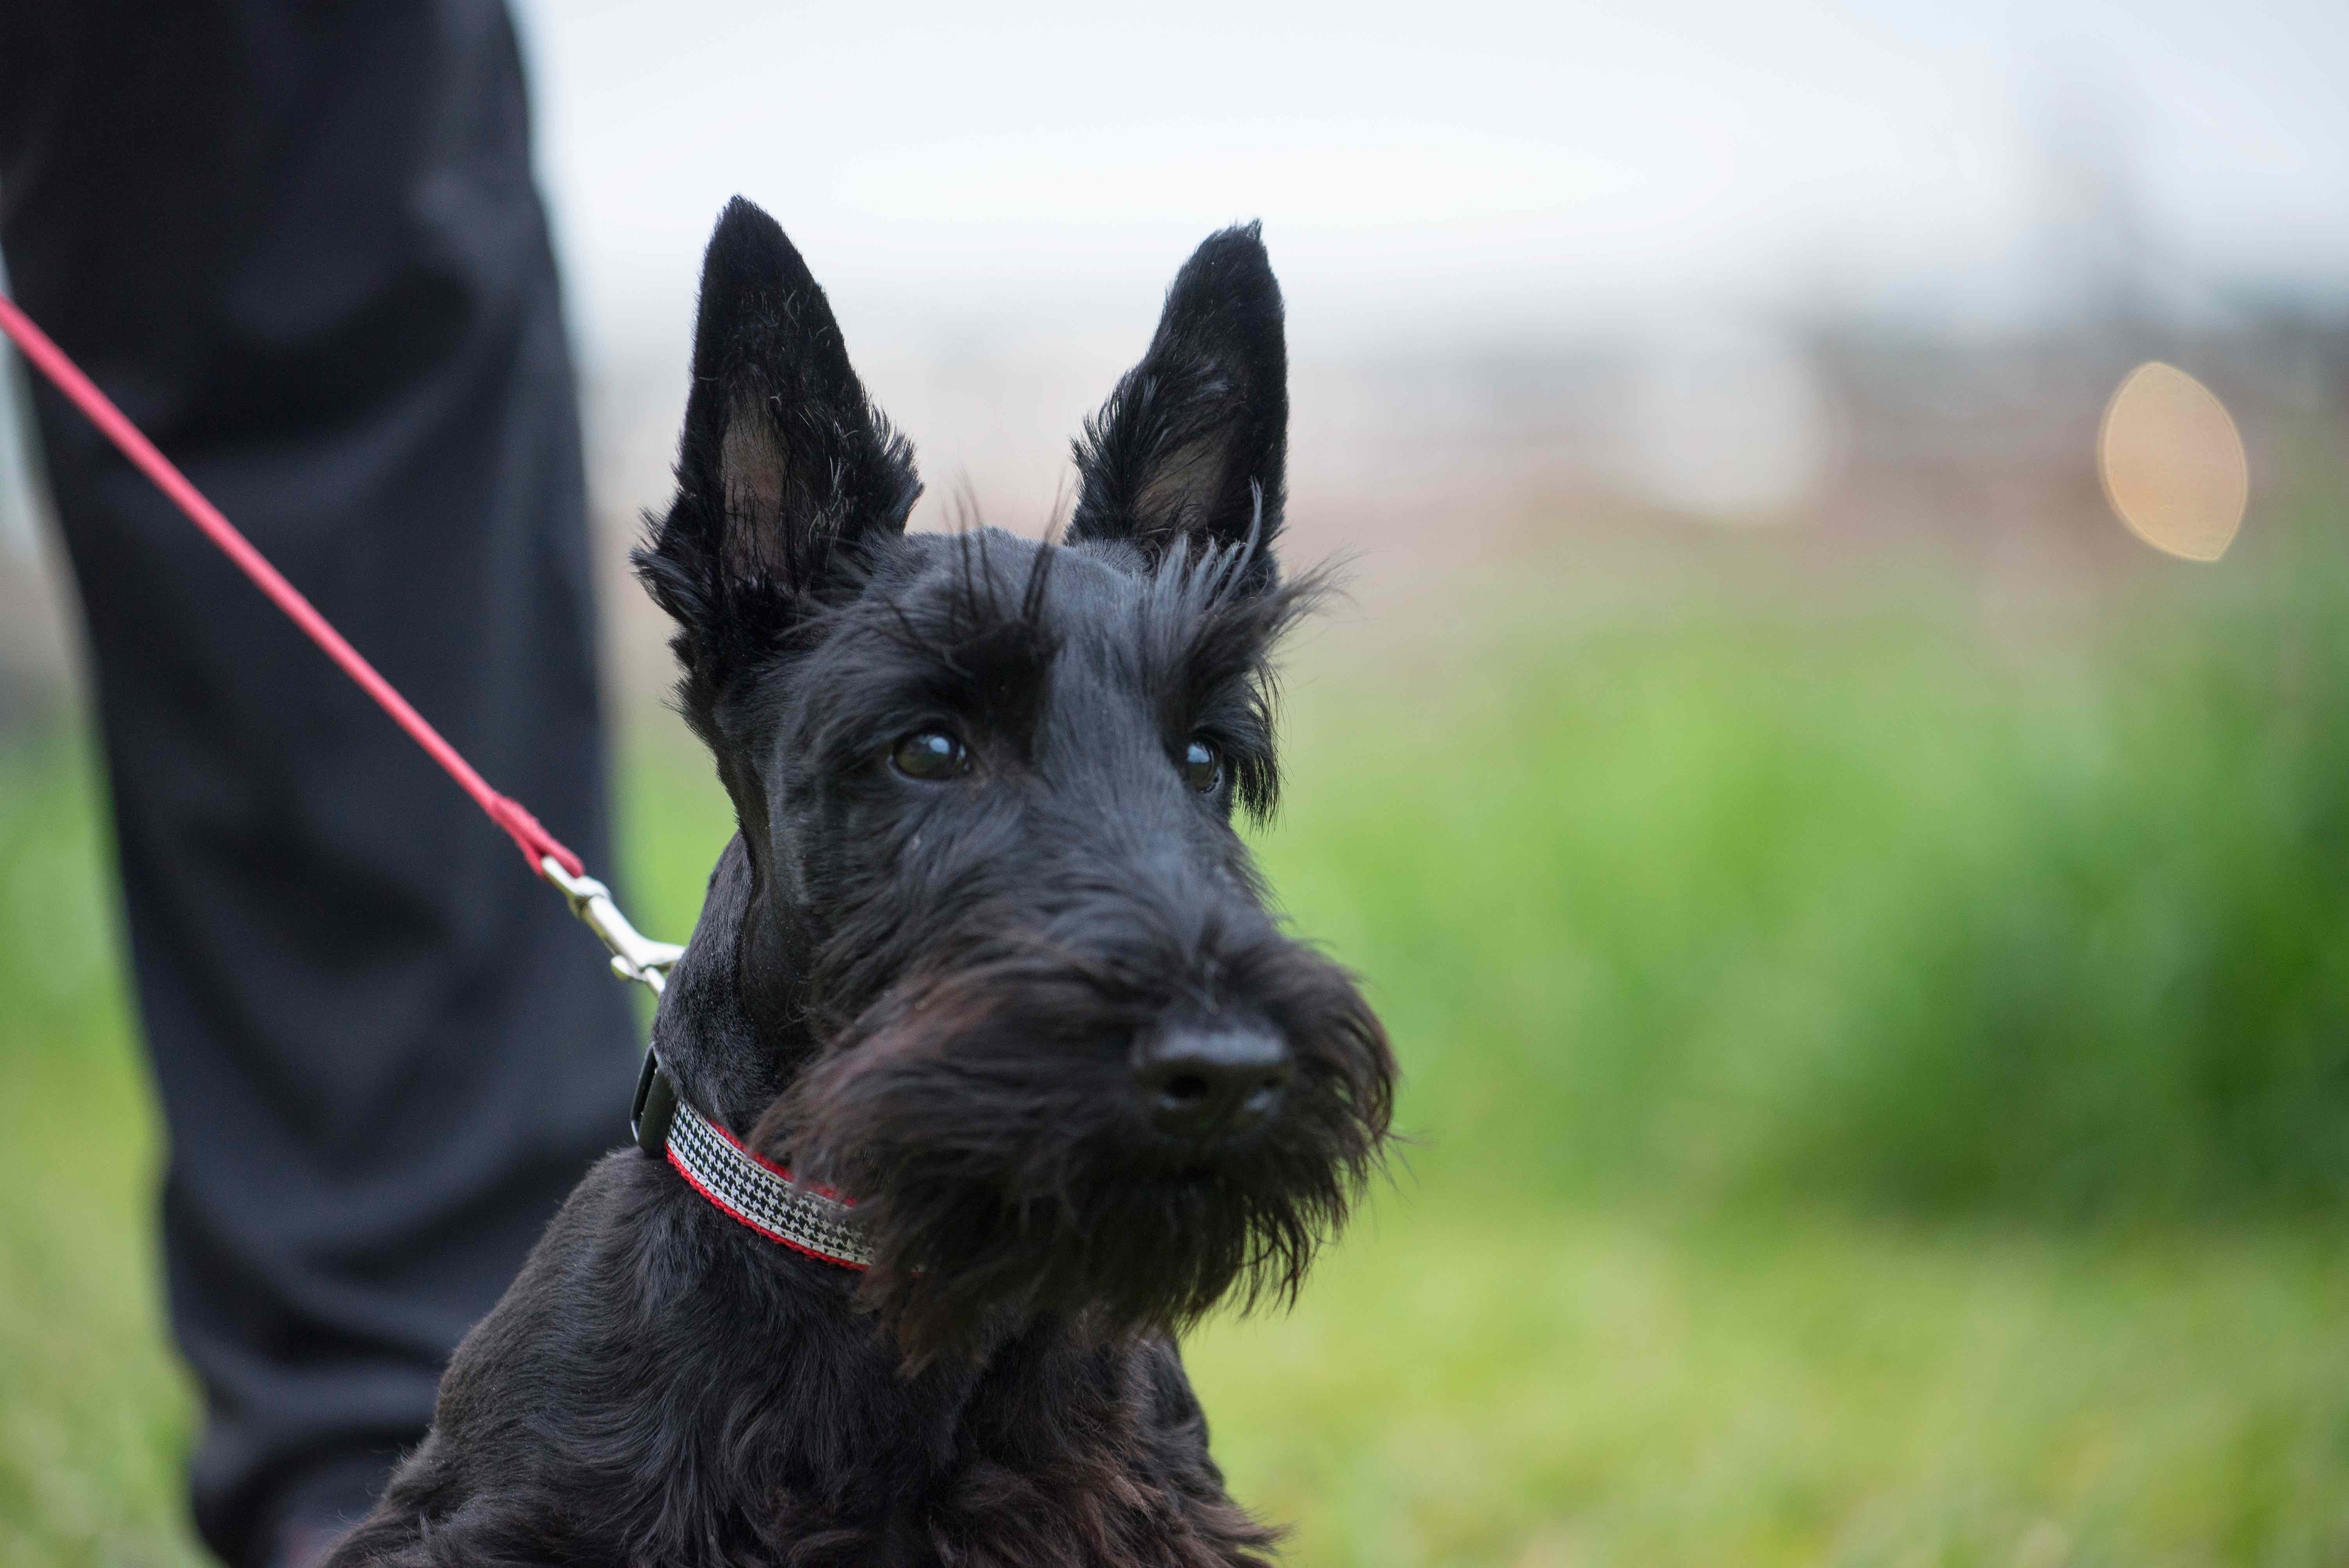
[1881, 1075]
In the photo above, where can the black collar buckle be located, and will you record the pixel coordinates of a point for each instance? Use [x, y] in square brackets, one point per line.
[654, 1108]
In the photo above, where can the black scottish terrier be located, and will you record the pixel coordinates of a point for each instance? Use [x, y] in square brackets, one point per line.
[986, 1069]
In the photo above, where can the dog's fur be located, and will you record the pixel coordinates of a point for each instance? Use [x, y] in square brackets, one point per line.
[932, 992]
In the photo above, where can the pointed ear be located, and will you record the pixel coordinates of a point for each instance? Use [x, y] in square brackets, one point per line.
[785, 470]
[1193, 442]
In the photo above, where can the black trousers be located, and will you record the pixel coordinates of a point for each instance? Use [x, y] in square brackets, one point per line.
[297, 240]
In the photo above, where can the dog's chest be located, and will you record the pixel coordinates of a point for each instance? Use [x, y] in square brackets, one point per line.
[1087, 1465]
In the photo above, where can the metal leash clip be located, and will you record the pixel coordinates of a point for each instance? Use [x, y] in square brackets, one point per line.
[634, 955]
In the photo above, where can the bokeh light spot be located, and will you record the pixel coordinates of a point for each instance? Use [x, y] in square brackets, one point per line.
[2172, 462]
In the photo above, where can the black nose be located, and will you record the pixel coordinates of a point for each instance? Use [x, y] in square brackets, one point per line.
[1199, 1082]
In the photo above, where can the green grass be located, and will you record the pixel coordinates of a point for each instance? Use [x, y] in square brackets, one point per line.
[1860, 906]
[1538, 1385]
[1554, 1388]
[1881, 1092]
[94, 1412]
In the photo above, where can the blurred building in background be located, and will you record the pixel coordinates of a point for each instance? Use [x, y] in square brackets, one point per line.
[1624, 288]
[35, 656]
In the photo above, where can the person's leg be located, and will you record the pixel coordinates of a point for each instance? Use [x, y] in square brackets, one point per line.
[300, 245]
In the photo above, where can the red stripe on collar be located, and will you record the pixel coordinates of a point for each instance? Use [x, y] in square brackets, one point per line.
[758, 1193]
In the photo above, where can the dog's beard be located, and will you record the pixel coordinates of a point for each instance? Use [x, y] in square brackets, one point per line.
[985, 1126]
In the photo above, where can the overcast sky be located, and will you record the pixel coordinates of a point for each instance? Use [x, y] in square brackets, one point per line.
[1505, 168]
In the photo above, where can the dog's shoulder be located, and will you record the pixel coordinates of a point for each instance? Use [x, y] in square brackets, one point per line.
[640, 1344]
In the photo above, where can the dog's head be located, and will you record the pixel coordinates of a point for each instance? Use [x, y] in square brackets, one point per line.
[1035, 1015]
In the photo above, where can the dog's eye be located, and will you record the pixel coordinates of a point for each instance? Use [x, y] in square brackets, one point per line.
[1203, 768]
[930, 754]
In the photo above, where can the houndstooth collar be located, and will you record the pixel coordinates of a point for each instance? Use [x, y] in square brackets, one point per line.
[751, 1191]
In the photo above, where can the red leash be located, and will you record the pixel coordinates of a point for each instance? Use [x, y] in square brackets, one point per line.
[748, 1188]
[534, 842]
[633, 955]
